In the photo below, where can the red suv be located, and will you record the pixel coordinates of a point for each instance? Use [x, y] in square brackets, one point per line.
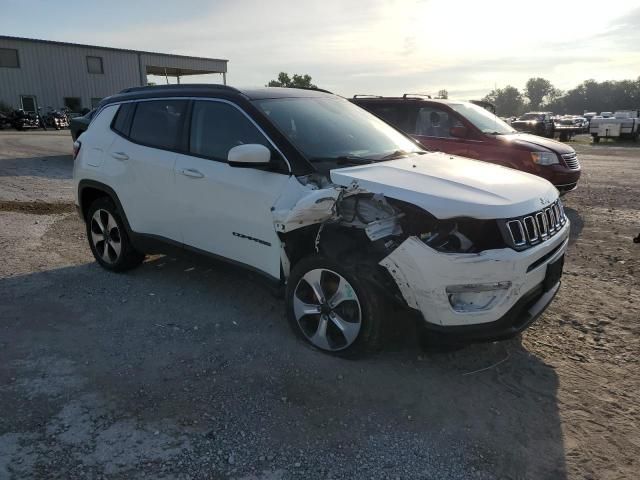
[465, 129]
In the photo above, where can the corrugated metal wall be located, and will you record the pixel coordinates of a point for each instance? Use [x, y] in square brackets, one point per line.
[52, 72]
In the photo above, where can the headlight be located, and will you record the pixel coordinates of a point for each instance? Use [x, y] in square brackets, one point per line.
[476, 297]
[544, 158]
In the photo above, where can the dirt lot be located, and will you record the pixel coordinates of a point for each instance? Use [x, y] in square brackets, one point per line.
[186, 369]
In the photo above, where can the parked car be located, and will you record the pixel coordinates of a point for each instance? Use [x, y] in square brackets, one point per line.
[622, 124]
[320, 196]
[78, 125]
[537, 123]
[569, 125]
[464, 129]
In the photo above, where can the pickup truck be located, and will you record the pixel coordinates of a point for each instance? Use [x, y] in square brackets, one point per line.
[623, 124]
[569, 125]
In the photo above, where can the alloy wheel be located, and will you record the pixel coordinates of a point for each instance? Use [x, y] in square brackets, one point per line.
[105, 236]
[327, 309]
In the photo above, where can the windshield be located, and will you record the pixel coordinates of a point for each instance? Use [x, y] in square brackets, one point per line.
[482, 119]
[331, 129]
[531, 116]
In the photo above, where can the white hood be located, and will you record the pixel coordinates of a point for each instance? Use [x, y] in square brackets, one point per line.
[448, 186]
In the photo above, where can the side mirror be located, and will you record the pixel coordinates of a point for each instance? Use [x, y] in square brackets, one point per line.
[249, 155]
[459, 132]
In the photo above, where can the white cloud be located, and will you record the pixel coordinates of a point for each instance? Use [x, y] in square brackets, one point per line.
[392, 46]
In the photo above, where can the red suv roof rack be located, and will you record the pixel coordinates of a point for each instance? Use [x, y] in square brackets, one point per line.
[406, 95]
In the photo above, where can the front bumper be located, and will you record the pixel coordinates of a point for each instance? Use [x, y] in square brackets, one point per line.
[423, 275]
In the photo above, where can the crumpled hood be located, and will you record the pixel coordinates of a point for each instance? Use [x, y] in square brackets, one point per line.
[448, 186]
[530, 142]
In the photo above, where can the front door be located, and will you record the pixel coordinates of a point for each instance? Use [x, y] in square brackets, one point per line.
[431, 125]
[226, 210]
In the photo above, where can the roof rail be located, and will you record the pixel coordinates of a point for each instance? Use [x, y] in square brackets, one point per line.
[183, 86]
[315, 89]
[366, 95]
[406, 95]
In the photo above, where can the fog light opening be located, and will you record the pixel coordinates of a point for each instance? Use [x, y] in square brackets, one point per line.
[476, 297]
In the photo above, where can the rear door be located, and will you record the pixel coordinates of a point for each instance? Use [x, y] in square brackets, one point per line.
[226, 210]
[142, 162]
[431, 124]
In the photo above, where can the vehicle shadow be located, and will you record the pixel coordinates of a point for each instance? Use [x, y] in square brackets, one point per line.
[58, 167]
[205, 352]
[577, 224]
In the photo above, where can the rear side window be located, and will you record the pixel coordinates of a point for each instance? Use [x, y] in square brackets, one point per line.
[392, 114]
[218, 127]
[158, 123]
[122, 121]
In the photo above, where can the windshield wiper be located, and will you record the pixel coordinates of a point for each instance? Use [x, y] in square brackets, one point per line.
[344, 160]
[400, 153]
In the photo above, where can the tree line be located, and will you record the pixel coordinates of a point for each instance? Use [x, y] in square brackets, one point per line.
[590, 95]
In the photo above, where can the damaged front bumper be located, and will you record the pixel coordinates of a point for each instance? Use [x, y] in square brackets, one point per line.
[489, 295]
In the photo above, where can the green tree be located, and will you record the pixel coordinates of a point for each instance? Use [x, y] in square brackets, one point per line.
[508, 100]
[297, 81]
[443, 94]
[536, 90]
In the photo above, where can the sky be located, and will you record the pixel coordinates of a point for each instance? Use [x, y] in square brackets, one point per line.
[384, 47]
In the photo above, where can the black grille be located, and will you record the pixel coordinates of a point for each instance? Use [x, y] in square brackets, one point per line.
[571, 160]
[537, 227]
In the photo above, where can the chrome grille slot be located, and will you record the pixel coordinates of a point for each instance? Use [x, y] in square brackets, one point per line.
[517, 232]
[531, 229]
[571, 160]
[535, 228]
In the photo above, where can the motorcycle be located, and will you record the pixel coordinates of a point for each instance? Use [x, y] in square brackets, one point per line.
[56, 119]
[21, 120]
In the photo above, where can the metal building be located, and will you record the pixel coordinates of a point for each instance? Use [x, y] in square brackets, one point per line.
[43, 73]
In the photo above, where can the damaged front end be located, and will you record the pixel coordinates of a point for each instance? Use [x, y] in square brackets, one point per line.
[455, 272]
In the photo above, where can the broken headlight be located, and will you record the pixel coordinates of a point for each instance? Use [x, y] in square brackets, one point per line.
[463, 235]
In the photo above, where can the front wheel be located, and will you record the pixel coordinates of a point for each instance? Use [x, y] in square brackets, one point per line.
[333, 308]
[108, 238]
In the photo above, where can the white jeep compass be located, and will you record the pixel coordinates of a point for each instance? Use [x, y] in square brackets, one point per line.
[319, 195]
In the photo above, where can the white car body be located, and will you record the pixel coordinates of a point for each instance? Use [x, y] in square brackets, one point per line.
[241, 214]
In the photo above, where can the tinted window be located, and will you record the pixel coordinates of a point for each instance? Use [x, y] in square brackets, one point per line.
[393, 114]
[9, 58]
[94, 65]
[158, 123]
[434, 122]
[218, 127]
[122, 121]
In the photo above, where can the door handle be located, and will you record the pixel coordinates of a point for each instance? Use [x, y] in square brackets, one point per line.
[191, 172]
[120, 156]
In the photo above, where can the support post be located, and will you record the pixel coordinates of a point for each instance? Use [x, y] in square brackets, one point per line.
[224, 78]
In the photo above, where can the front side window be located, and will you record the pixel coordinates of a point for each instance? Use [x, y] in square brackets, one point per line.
[327, 128]
[158, 123]
[435, 122]
[217, 127]
[482, 119]
[9, 58]
[94, 65]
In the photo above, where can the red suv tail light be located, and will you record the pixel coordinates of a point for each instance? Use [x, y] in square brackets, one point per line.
[76, 149]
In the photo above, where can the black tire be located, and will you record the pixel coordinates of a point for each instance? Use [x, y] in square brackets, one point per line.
[373, 307]
[596, 139]
[127, 258]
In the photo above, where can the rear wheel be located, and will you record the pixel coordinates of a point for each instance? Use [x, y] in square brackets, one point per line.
[333, 308]
[108, 238]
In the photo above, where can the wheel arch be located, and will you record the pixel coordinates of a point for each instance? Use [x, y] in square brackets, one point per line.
[90, 190]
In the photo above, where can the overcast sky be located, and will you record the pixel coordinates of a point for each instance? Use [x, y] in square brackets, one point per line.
[373, 46]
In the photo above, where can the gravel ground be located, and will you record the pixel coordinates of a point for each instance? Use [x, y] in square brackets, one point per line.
[186, 369]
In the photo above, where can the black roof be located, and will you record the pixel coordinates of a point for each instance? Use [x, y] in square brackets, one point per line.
[213, 90]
